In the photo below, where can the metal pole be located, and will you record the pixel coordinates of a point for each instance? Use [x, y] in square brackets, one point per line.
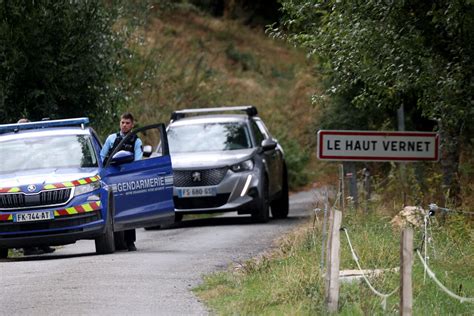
[325, 223]
[401, 127]
[341, 187]
[367, 188]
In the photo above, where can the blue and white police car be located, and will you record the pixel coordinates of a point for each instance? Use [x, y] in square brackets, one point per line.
[55, 190]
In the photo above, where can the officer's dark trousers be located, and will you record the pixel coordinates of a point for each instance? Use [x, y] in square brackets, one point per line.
[130, 236]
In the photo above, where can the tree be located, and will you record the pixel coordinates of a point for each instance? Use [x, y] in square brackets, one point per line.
[412, 53]
[60, 59]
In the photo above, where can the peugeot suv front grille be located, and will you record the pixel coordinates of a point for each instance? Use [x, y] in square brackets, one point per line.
[41, 199]
[197, 178]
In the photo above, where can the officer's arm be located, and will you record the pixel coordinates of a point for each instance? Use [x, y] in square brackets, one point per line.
[105, 149]
[138, 149]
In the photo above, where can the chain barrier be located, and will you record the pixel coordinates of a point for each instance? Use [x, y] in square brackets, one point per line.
[444, 288]
[354, 256]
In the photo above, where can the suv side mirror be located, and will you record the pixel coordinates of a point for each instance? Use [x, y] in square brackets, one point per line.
[147, 150]
[268, 144]
[122, 157]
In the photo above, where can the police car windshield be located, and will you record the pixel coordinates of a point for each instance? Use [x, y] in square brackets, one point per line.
[208, 137]
[30, 153]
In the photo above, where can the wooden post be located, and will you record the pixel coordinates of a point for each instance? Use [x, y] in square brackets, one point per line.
[327, 247]
[332, 299]
[406, 262]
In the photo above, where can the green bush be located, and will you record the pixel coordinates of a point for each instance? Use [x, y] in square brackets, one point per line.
[60, 59]
[297, 159]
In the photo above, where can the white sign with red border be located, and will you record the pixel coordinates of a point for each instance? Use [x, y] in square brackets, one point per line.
[377, 146]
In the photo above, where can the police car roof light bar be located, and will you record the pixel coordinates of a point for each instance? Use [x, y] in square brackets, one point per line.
[249, 109]
[9, 128]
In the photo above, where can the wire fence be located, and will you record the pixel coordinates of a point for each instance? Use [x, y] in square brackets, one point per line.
[426, 242]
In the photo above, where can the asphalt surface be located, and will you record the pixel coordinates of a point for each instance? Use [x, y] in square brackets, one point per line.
[157, 279]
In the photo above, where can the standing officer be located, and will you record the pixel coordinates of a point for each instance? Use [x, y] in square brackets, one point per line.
[133, 145]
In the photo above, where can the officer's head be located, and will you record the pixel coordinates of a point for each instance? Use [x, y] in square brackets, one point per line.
[126, 122]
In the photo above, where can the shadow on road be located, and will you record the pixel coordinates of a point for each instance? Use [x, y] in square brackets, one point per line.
[226, 220]
[49, 257]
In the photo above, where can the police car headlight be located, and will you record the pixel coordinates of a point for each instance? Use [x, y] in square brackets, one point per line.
[86, 188]
[242, 166]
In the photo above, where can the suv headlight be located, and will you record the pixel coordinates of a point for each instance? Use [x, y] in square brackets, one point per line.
[86, 188]
[242, 166]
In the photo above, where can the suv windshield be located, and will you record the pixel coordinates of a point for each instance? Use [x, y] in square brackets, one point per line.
[208, 137]
[66, 151]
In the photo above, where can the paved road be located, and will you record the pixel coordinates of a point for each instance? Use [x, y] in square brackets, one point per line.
[156, 279]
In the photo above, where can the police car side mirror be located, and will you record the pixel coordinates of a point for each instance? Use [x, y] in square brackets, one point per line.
[122, 157]
[268, 144]
[147, 150]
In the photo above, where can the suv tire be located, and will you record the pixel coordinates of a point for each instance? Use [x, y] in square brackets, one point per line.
[3, 253]
[281, 205]
[178, 217]
[262, 213]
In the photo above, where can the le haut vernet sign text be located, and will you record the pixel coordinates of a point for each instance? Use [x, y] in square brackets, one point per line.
[377, 146]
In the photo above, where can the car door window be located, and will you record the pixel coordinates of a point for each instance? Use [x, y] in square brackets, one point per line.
[259, 136]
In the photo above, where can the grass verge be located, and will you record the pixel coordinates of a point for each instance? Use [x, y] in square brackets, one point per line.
[290, 280]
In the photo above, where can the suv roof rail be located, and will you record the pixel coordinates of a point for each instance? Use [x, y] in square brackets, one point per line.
[249, 109]
[9, 128]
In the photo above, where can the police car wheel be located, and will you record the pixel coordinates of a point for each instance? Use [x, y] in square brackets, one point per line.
[3, 253]
[105, 243]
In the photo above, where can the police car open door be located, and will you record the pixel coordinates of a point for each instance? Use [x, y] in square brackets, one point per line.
[142, 189]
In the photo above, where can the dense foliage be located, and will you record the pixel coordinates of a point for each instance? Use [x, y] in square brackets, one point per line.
[60, 59]
[388, 54]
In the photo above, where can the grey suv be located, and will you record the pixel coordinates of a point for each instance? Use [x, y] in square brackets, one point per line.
[226, 162]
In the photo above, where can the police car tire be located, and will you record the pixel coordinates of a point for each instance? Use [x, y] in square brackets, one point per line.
[262, 214]
[3, 253]
[281, 205]
[105, 243]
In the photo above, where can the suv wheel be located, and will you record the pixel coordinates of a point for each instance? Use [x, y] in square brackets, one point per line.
[178, 217]
[3, 253]
[262, 214]
[280, 206]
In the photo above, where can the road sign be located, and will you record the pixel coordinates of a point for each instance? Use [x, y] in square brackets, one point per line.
[377, 146]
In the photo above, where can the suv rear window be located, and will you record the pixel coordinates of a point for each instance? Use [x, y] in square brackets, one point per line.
[208, 137]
